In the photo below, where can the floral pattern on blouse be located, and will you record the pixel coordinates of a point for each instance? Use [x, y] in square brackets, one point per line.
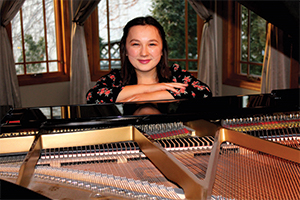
[195, 88]
[110, 85]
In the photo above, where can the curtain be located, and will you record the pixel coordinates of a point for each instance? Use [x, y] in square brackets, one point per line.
[207, 63]
[276, 64]
[9, 87]
[80, 81]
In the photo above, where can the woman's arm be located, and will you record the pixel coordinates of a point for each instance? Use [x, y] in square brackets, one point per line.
[195, 88]
[151, 96]
[144, 91]
[106, 89]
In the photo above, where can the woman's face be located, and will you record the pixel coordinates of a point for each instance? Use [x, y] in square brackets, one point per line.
[144, 47]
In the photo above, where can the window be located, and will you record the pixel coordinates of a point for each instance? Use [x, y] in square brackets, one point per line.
[182, 26]
[38, 43]
[177, 17]
[252, 42]
[244, 45]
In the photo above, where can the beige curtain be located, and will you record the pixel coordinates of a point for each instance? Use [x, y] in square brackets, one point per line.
[80, 81]
[9, 86]
[207, 63]
[276, 65]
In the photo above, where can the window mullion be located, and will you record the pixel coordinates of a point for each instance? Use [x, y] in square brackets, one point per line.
[23, 43]
[45, 35]
[108, 35]
[238, 43]
[59, 34]
[186, 36]
[248, 38]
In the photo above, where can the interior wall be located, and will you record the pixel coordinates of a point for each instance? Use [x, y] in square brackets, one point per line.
[50, 94]
[228, 90]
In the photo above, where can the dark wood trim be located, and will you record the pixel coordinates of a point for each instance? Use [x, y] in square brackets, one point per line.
[42, 78]
[186, 26]
[295, 67]
[59, 36]
[45, 35]
[66, 35]
[108, 33]
[91, 29]
[22, 35]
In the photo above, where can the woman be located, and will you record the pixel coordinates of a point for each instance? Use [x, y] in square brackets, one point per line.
[145, 74]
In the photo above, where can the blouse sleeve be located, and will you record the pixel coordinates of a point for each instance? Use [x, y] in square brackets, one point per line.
[195, 88]
[106, 89]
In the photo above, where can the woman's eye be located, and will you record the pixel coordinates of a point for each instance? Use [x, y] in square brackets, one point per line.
[153, 44]
[134, 44]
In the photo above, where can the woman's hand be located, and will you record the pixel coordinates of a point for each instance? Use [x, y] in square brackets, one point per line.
[143, 92]
[165, 86]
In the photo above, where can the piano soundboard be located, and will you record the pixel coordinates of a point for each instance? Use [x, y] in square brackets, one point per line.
[186, 152]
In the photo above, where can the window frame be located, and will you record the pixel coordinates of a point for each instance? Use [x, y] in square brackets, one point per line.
[62, 26]
[231, 50]
[92, 40]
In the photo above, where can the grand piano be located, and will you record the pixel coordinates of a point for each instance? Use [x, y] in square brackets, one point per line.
[234, 147]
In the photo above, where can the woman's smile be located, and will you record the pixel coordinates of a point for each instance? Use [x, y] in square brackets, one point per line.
[144, 47]
[144, 61]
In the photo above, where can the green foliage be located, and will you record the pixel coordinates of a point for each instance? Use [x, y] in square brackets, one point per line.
[103, 51]
[171, 15]
[257, 38]
[101, 43]
[34, 51]
[256, 43]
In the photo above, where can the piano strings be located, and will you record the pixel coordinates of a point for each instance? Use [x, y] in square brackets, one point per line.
[122, 169]
[117, 165]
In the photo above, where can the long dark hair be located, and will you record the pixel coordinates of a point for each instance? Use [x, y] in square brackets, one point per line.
[127, 70]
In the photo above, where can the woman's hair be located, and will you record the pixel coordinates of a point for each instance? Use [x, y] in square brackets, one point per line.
[127, 70]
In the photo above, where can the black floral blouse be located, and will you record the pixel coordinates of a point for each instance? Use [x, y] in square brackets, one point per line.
[109, 86]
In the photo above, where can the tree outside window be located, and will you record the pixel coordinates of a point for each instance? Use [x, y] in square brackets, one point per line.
[244, 38]
[180, 24]
[37, 42]
[253, 40]
[34, 38]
